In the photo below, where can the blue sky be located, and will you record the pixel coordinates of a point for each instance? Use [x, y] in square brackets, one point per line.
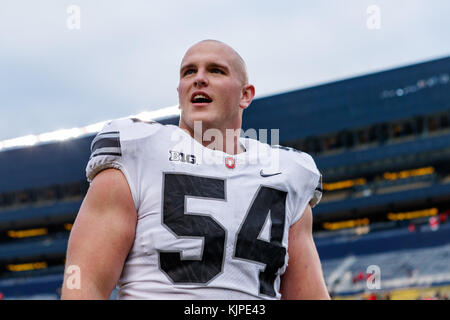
[125, 57]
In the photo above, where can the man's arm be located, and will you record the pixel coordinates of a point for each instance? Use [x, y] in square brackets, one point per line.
[101, 237]
[303, 278]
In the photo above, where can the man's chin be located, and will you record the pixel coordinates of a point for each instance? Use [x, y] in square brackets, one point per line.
[205, 120]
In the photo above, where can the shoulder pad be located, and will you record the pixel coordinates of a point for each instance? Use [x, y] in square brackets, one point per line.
[133, 128]
[300, 158]
[108, 145]
[305, 161]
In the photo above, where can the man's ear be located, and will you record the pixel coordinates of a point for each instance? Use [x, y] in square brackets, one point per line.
[248, 93]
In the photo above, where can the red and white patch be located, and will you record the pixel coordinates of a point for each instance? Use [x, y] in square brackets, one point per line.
[229, 162]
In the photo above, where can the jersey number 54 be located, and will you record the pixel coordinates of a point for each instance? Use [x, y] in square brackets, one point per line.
[248, 246]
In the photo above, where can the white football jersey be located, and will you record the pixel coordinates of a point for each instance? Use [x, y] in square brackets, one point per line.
[210, 225]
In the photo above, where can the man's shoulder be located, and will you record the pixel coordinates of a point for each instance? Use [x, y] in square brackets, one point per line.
[115, 145]
[294, 158]
[302, 171]
[131, 128]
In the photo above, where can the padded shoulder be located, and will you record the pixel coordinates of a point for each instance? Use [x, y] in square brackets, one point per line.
[132, 128]
[108, 146]
[299, 160]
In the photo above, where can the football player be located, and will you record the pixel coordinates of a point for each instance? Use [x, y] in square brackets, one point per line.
[171, 215]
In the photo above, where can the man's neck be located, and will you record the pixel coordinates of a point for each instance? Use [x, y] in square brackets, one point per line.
[223, 139]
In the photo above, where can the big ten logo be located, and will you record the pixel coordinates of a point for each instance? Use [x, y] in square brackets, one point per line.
[181, 157]
[374, 277]
[73, 21]
[374, 20]
[73, 277]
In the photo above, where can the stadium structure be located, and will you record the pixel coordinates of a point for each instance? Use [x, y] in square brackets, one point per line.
[381, 141]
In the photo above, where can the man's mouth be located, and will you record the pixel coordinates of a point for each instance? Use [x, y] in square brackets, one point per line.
[200, 97]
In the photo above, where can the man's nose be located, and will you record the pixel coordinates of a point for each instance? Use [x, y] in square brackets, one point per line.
[201, 79]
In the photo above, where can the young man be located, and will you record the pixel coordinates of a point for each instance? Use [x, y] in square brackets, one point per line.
[171, 215]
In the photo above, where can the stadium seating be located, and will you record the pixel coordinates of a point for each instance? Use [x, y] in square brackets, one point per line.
[398, 269]
[436, 190]
[405, 258]
[37, 287]
[35, 215]
[27, 249]
[382, 241]
[419, 146]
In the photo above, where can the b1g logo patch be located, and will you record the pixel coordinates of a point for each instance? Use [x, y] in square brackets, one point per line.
[181, 157]
[230, 163]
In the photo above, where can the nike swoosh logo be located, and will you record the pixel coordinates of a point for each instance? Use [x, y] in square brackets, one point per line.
[268, 175]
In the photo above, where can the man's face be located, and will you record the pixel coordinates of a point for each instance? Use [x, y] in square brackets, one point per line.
[211, 86]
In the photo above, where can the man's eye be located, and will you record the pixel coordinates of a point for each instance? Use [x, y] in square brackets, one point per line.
[188, 71]
[216, 70]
